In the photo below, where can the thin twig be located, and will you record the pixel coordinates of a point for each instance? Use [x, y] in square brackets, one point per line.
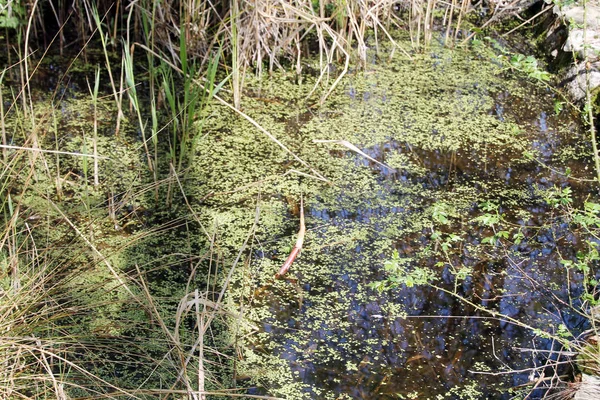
[356, 150]
[529, 20]
[5, 146]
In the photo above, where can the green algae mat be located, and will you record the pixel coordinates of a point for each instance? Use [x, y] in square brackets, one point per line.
[469, 157]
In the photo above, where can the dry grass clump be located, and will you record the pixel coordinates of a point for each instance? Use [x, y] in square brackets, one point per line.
[37, 352]
[252, 35]
[257, 32]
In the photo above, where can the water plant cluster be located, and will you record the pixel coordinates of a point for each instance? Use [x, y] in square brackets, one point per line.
[152, 186]
[446, 213]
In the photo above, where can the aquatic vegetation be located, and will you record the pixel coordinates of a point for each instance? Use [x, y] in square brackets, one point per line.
[155, 243]
[455, 127]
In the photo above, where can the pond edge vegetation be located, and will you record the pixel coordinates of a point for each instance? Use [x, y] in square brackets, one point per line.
[192, 54]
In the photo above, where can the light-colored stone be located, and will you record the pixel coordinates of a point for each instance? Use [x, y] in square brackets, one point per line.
[584, 45]
[588, 388]
[575, 80]
[574, 16]
[575, 41]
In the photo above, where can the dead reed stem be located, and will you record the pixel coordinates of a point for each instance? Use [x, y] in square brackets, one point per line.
[297, 247]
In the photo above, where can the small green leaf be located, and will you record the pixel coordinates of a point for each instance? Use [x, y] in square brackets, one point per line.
[558, 106]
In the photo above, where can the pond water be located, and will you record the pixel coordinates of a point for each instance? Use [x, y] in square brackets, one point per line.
[475, 198]
[458, 131]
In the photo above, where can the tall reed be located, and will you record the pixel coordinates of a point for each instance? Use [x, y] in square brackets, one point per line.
[104, 41]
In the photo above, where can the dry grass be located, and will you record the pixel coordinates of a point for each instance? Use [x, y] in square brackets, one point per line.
[257, 35]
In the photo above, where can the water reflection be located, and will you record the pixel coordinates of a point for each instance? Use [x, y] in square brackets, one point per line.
[474, 333]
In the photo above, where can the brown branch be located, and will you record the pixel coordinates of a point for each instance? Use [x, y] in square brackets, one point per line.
[299, 241]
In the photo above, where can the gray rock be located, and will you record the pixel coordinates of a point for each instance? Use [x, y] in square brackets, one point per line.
[575, 80]
[573, 17]
[574, 13]
[588, 388]
[575, 41]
